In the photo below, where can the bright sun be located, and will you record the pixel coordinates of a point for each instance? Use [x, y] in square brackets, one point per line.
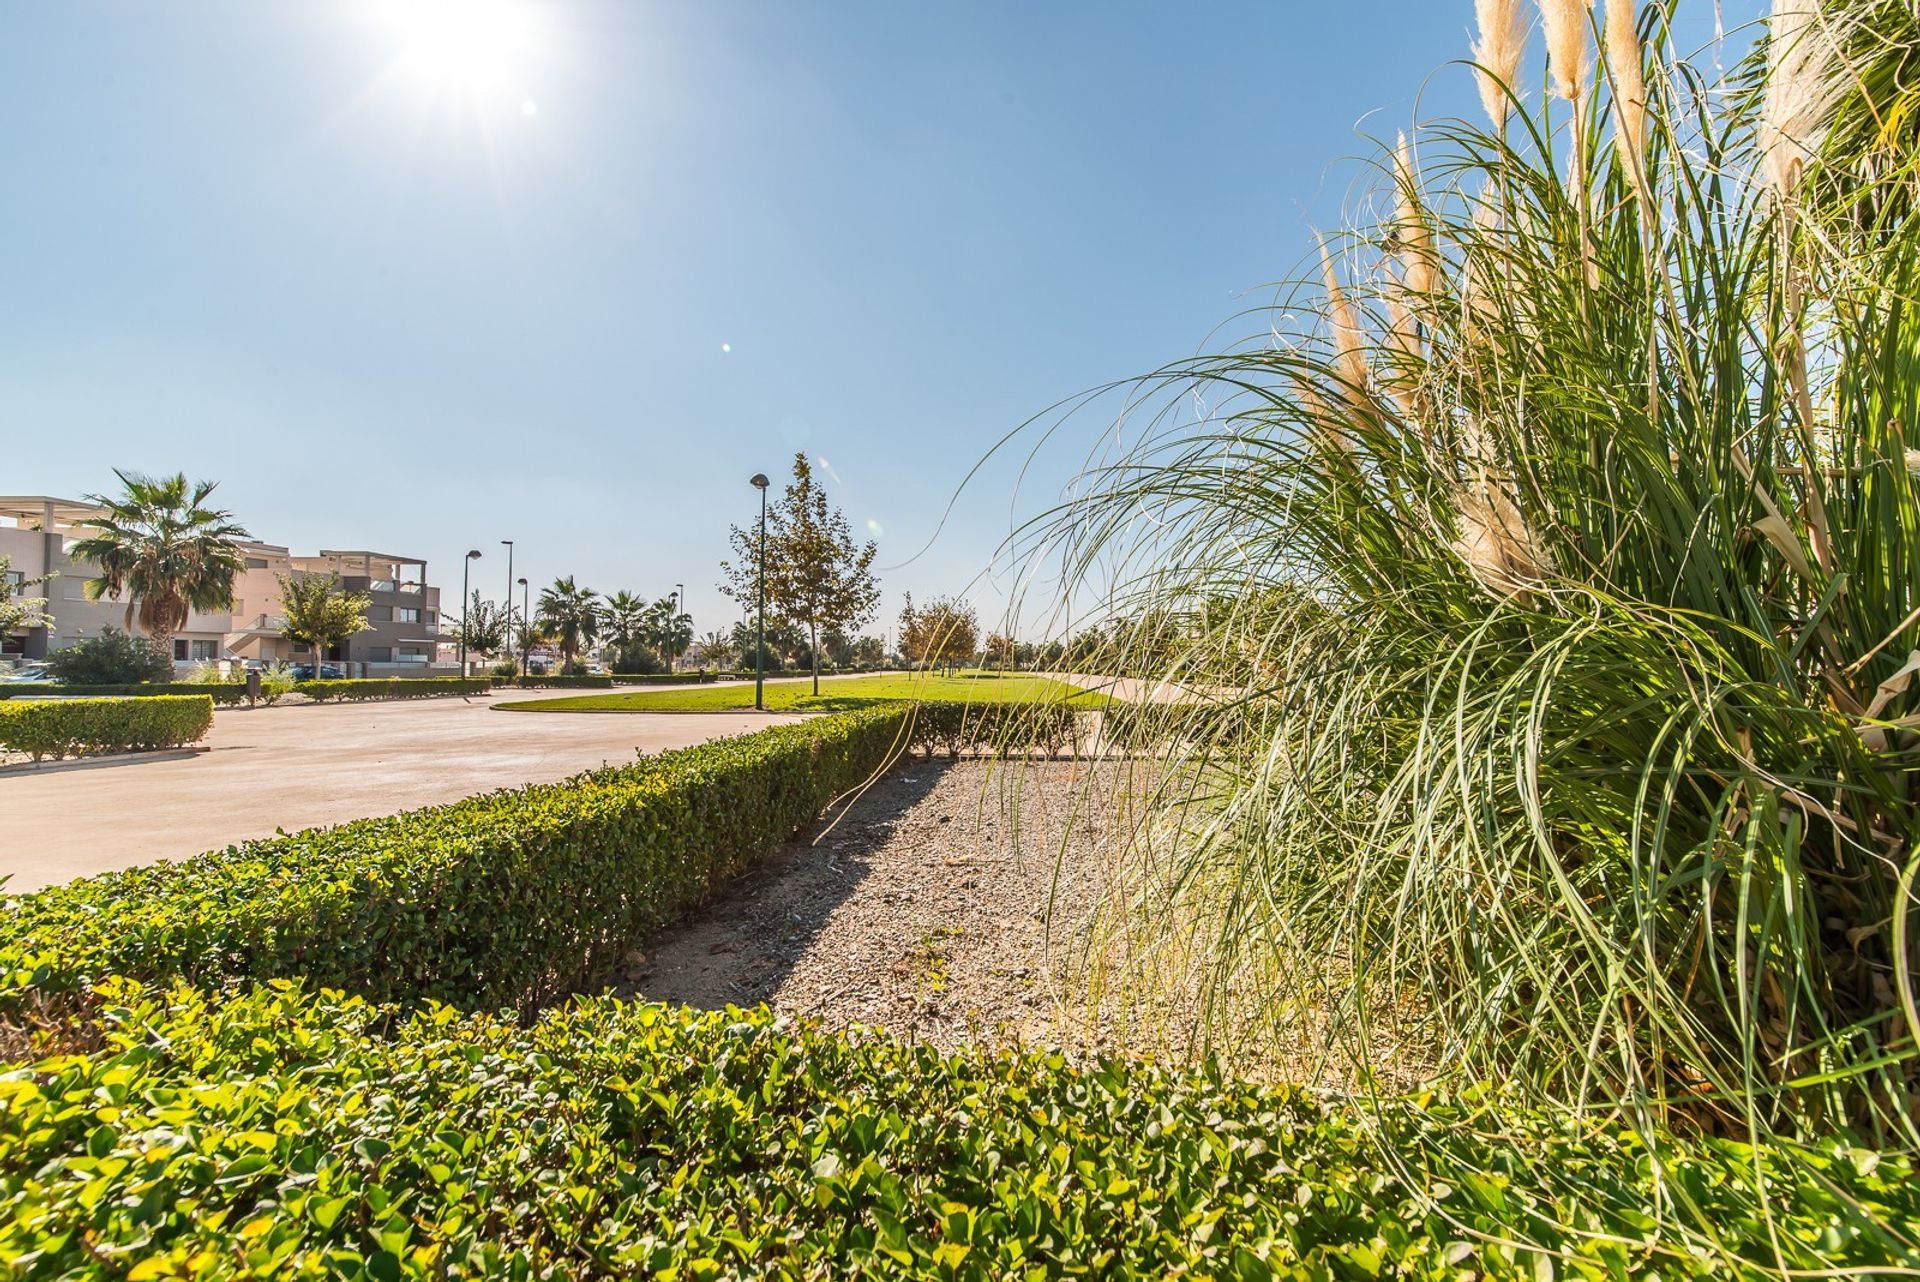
[464, 44]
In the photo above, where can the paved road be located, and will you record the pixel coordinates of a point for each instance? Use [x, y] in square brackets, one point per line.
[301, 766]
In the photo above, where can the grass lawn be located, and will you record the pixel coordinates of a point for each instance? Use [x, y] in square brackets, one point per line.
[837, 695]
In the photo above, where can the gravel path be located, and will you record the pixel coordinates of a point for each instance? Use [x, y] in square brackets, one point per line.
[942, 905]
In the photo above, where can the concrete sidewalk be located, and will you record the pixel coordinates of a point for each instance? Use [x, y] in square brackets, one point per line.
[301, 766]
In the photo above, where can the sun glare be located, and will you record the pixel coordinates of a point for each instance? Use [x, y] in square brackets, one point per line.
[464, 44]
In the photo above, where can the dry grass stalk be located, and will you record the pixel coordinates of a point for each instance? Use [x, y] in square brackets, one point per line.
[1411, 233]
[1499, 549]
[1403, 379]
[1625, 65]
[1564, 23]
[1803, 85]
[1349, 340]
[1502, 43]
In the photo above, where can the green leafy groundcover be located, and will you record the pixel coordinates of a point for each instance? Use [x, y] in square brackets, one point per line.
[355, 688]
[287, 1134]
[75, 727]
[511, 897]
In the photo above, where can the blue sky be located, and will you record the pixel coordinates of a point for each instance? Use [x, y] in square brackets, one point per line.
[400, 288]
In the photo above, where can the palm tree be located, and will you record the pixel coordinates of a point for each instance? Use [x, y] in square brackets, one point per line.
[159, 545]
[667, 630]
[573, 615]
[718, 649]
[624, 619]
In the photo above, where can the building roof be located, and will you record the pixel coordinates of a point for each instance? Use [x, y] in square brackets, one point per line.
[394, 557]
[34, 507]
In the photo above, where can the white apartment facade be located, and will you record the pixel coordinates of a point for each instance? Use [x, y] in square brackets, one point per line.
[36, 533]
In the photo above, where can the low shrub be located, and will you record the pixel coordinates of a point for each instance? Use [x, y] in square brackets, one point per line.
[662, 678]
[557, 682]
[294, 1134]
[507, 898]
[60, 728]
[354, 689]
[504, 670]
[112, 658]
[223, 695]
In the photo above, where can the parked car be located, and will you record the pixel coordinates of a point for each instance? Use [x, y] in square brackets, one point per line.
[328, 672]
[29, 672]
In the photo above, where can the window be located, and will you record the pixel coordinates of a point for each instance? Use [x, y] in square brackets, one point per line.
[16, 579]
[406, 614]
[379, 654]
[256, 563]
[180, 649]
[412, 654]
[428, 618]
[204, 651]
[380, 614]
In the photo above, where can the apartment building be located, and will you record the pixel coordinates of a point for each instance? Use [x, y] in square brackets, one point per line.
[404, 618]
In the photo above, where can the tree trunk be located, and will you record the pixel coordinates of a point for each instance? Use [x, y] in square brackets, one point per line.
[813, 645]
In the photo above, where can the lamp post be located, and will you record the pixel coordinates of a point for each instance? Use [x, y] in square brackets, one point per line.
[679, 608]
[525, 639]
[760, 483]
[509, 602]
[465, 607]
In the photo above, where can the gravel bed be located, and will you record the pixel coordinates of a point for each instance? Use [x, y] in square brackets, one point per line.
[951, 903]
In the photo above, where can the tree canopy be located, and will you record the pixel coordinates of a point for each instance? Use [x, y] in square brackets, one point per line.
[158, 544]
[816, 575]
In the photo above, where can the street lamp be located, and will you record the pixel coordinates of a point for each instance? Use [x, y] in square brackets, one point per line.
[525, 629]
[679, 608]
[760, 483]
[509, 602]
[465, 606]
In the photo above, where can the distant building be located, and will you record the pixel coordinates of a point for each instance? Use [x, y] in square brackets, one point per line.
[36, 533]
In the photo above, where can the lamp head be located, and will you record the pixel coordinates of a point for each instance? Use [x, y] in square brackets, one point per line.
[474, 555]
[760, 481]
[521, 582]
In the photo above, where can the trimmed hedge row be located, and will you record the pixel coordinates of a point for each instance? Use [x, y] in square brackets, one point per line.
[286, 1134]
[512, 897]
[60, 728]
[223, 695]
[559, 683]
[662, 678]
[353, 689]
[955, 726]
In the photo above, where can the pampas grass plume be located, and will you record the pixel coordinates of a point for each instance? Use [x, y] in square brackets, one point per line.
[1502, 42]
[1564, 23]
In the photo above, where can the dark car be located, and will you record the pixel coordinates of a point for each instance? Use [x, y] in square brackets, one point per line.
[328, 672]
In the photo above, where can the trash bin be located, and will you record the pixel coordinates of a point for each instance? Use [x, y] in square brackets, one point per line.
[253, 685]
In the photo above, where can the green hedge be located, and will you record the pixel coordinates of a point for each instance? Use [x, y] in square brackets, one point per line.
[349, 690]
[508, 898]
[75, 727]
[601, 682]
[662, 678]
[285, 1134]
[223, 694]
[956, 726]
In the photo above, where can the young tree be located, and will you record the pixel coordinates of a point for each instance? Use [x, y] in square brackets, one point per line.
[816, 576]
[572, 614]
[18, 613]
[999, 650]
[317, 613]
[943, 633]
[162, 547]
[484, 629]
